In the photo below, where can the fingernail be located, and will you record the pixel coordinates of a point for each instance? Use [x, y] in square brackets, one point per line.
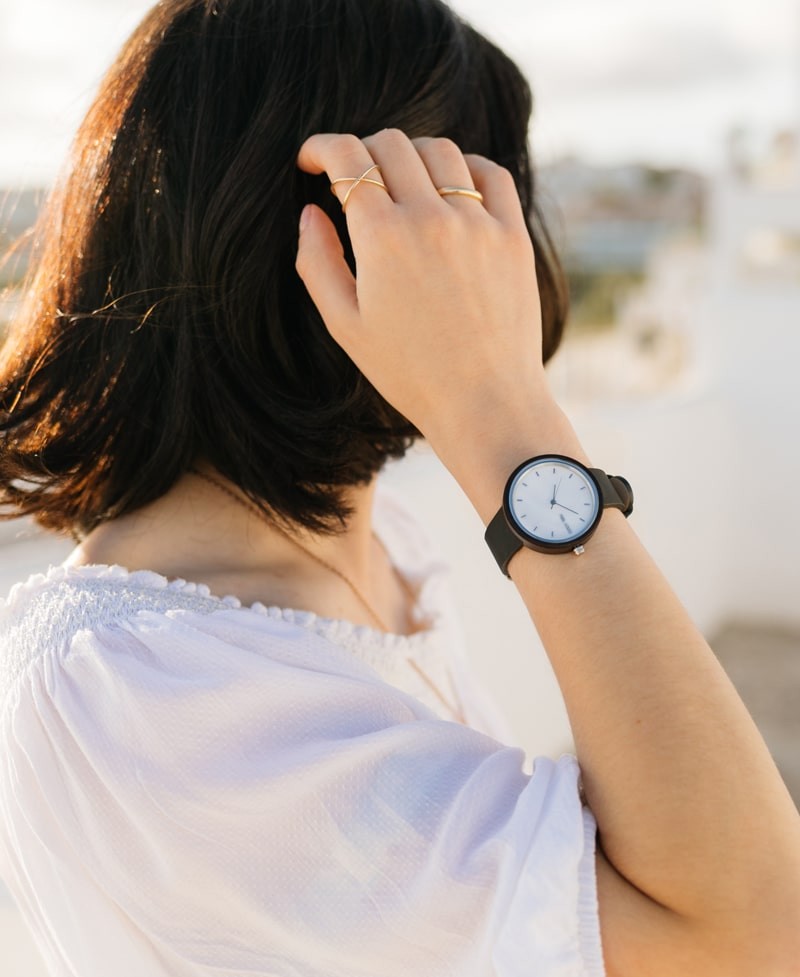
[305, 217]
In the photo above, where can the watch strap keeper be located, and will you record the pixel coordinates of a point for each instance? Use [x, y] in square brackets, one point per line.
[615, 491]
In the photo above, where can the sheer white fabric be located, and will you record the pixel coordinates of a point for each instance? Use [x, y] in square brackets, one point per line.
[191, 787]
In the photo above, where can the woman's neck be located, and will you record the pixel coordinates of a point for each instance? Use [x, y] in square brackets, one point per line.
[198, 531]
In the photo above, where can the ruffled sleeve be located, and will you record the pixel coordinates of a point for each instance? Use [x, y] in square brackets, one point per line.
[191, 793]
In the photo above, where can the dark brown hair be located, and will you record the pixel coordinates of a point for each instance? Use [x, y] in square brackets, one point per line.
[164, 321]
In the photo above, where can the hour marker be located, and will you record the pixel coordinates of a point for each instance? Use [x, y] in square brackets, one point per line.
[538, 474]
[587, 503]
[554, 471]
[525, 484]
[552, 534]
[524, 517]
[571, 474]
[581, 519]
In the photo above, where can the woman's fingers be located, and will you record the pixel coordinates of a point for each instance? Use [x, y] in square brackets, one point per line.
[345, 158]
[403, 170]
[447, 167]
[500, 196]
[412, 172]
[325, 273]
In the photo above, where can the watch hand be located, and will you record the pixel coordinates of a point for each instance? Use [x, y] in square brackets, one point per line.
[566, 507]
[555, 492]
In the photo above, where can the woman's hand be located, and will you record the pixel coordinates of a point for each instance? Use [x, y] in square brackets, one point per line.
[443, 316]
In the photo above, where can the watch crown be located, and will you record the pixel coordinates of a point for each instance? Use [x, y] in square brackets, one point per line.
[578, 550]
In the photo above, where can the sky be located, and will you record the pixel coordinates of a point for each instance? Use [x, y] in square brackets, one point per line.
[614, 80]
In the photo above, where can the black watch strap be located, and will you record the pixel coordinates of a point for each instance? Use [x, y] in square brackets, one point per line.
[615, 493]
[501, 541]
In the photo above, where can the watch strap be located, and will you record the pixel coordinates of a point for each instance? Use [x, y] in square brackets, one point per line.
[501, 541]
[615, 491]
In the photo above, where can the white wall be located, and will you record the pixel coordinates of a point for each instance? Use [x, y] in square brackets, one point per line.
[754, 324]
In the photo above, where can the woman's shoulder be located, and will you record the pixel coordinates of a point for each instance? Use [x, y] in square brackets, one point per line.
[109, 615]
[107, 606]
[45, 612]
[69, 597]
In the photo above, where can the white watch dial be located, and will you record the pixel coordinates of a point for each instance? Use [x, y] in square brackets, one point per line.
[554, 501]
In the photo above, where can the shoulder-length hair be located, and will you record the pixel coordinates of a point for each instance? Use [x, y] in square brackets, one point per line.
[164, 321]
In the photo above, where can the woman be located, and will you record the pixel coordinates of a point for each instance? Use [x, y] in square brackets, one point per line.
[287, 781]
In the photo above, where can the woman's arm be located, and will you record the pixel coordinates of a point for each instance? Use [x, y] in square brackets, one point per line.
[699, 869]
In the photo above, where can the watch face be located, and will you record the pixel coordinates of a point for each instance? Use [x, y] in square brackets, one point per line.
[554, 502]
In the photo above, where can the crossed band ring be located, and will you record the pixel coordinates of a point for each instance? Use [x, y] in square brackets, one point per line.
[354, 181]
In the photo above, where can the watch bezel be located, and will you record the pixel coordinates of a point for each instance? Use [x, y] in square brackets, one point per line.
[535, 542]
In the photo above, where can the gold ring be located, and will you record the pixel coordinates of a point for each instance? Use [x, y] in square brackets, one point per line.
[355, 182]
[460, 192]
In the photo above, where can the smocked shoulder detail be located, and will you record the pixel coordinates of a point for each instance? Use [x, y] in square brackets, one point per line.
[46, 611]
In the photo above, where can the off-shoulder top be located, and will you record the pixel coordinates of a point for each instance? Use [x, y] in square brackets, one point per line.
[190, 787]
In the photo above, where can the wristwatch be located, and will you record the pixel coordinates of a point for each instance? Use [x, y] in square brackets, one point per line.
[553, 504]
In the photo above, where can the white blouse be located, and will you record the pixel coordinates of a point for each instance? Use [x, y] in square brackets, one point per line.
[192, 787]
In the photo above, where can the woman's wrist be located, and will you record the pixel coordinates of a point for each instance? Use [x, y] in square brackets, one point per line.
[481, 449]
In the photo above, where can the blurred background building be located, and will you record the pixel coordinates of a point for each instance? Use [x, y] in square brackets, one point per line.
[668, 147]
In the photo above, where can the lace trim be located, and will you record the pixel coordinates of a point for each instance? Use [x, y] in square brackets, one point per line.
[48, 609]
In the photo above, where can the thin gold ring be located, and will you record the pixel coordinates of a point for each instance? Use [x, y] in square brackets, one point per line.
[460, 192]
[355, 182]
